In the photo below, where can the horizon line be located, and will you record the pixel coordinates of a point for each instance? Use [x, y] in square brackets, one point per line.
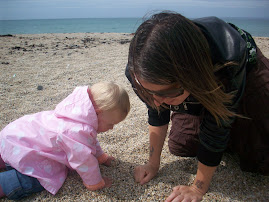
[129, 18]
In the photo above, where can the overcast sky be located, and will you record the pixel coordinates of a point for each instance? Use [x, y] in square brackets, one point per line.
[53, 9]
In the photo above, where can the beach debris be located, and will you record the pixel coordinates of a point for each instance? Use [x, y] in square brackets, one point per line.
[87, 40]
[74, 46]
[71, 47]
[6, 35]
[124, 41]
[14, 75]
[39, 87]
[18, 48]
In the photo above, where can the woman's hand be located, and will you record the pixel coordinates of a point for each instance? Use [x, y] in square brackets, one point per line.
[198, 188]
[186, 193]
[145, 173]
[109, 160]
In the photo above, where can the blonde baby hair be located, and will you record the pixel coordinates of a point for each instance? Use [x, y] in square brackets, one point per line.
[110, 96]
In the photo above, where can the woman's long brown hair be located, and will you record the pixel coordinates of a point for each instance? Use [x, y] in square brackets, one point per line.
[169, 48]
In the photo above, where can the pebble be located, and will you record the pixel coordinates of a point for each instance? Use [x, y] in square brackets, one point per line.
[39, 87]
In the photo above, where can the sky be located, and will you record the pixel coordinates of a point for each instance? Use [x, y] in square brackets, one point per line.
[55, 9]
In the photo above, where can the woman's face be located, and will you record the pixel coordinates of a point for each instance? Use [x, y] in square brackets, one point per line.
[158, 100]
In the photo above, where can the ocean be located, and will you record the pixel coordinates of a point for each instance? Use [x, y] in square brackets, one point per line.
[256, 27]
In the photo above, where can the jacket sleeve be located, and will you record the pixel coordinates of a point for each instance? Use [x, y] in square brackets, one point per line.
[100, 154]
[213, 138]
[156, 118]
[82, 158]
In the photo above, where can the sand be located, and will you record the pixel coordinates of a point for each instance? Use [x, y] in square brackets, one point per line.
[38, 71]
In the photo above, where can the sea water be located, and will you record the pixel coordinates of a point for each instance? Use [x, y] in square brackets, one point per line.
[256, 27]
[116, 25]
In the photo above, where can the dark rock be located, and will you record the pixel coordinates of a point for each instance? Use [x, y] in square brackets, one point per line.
[125, 41]
[18, 48]
[6, 35]
[87, 40]
[39, 87]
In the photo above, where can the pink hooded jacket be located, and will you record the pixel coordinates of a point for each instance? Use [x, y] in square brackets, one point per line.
[44, 145]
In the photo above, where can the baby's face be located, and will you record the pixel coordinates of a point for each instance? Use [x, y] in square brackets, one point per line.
[107, 120]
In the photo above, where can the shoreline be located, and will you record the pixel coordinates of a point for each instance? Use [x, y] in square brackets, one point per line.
[261, 41]
[61, 62]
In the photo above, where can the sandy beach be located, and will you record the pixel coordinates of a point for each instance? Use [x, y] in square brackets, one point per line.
[38, 71]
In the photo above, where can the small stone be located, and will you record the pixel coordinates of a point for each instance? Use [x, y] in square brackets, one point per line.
[39, 87]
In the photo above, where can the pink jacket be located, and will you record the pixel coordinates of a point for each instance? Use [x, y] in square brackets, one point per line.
[44, 145]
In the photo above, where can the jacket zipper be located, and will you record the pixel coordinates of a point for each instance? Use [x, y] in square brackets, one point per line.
[185, 105]
[192, 102]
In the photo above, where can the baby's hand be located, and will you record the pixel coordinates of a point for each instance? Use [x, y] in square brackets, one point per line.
[108, 182]
[109, 160]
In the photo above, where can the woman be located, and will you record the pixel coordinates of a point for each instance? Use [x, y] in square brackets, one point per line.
[215, 80]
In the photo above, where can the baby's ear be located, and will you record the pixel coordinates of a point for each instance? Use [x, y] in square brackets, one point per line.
[98, 111]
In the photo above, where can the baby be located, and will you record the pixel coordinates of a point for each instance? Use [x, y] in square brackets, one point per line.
[38, 149]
